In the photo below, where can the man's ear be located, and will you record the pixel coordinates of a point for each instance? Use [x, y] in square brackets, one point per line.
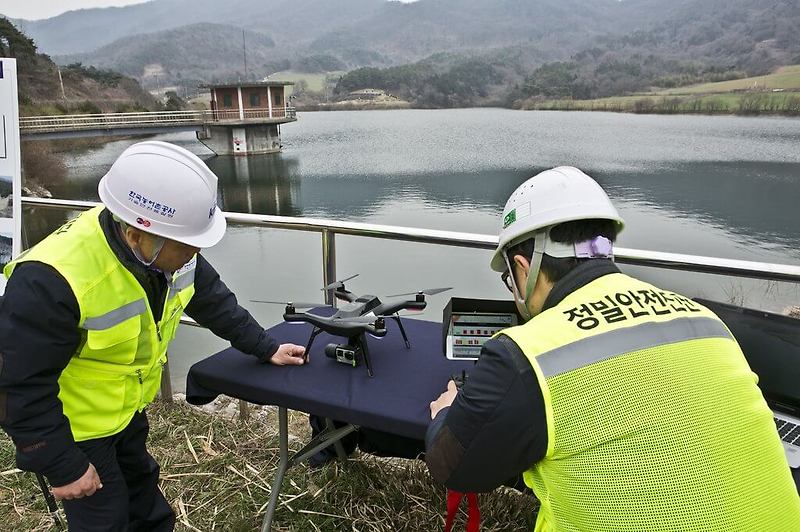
[132, 235]
[523, 263]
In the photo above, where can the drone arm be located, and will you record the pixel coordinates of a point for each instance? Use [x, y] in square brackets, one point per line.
[387, 309]
[336, 327]
[345, 296]
[317, 321]
[374, 331]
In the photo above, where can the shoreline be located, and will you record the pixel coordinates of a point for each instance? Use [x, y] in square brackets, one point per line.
[682, 108]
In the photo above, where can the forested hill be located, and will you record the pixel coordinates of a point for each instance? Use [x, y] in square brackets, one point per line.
[697, 41]
[291, 22]
[755, 35]
[689, 41]
[190, 55]
[341, 35]
[85, 89]
[441, 52]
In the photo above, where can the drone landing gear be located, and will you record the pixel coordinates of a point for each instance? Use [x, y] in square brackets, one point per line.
[361, 342]
[314, 334]
[402, 330]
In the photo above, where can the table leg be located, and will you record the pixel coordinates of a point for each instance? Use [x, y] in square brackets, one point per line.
[337, 444]
[330, 436]
[283, 465]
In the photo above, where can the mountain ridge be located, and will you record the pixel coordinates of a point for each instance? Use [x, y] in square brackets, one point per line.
[606, 45]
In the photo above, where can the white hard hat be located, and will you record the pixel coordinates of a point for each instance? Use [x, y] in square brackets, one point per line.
[165, 190]
[552, 197]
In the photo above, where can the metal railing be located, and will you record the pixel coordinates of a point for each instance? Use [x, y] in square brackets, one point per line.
[328, 230]
[46, 124]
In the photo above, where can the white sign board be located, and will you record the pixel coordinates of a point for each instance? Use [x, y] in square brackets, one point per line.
[10, 176]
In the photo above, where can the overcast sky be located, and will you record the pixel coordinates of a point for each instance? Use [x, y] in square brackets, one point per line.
[36, 9]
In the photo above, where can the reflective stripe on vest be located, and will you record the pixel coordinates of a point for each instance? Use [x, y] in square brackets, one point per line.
[116, 316]
[618, 342]
[183, 281]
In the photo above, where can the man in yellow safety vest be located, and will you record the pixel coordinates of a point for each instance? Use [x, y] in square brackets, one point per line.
[624, 406]
[85, 324]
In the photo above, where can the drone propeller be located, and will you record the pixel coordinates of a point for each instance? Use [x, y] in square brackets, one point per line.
[298, 304]
[427, 292]
[338, 284]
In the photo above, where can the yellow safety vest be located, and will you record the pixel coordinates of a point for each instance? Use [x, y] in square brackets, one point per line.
[654, 418]
[117, 368]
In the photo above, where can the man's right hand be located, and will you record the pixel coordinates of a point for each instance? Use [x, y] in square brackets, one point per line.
[83, 487]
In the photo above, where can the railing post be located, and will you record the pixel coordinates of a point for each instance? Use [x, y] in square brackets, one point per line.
[166, 384]
[244, 410]
[328, 263]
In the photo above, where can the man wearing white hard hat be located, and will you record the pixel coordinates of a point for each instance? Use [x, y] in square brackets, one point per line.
[85, 324]
[624, 406]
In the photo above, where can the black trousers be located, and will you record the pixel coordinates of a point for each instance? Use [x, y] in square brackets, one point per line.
[130, 499]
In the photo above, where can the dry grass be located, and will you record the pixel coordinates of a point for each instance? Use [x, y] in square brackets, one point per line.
[217, 472]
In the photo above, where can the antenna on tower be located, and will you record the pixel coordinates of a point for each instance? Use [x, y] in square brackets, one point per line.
[244, 53]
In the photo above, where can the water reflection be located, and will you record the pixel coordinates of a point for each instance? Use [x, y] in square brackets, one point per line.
[38, 223]
[268, 184]
[756, 202]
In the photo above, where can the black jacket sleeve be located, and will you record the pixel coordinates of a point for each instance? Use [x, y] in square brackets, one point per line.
[496, 427]
[39, 334]
[215, 307]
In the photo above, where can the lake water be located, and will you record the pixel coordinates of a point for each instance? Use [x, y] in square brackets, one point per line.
[719, 186]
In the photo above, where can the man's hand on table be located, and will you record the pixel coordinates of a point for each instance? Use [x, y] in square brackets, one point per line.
[288, 355]
[445, 399]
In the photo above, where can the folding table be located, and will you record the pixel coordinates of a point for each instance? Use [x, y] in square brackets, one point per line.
[396, 400]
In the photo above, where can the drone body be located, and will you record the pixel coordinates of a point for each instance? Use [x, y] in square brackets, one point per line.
[358, 316]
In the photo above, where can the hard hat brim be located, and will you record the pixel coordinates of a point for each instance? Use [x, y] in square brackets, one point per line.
[211, 236]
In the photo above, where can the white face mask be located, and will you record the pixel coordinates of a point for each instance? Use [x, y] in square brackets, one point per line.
[159, 245]
[140, 256]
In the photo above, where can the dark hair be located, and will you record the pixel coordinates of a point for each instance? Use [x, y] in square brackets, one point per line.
[568, 233]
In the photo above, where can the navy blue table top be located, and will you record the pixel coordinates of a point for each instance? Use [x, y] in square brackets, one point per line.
[395, 400]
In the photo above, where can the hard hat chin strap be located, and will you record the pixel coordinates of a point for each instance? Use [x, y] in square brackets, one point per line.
[535, 263]
[539, 244]
[598, 247]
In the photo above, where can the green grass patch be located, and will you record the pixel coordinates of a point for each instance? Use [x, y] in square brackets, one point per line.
[773, 94]
[786, 78]
[767, 103]
[316, 82]
[217, 475]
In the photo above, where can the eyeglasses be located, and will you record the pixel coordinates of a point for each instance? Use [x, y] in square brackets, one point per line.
[506, 277]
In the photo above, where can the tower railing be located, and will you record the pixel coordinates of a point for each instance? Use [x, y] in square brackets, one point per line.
[46, 124]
